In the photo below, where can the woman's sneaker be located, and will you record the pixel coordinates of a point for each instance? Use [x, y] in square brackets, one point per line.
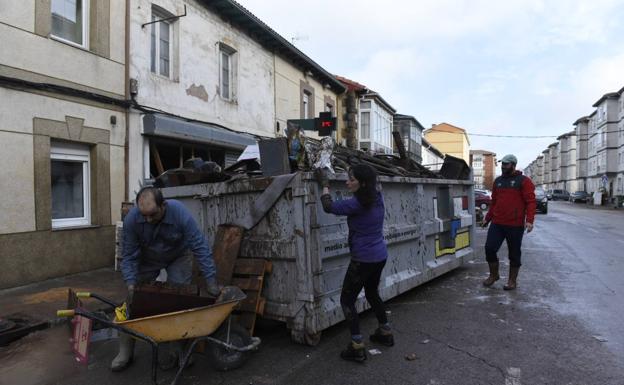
[382, 336]
[354, 352]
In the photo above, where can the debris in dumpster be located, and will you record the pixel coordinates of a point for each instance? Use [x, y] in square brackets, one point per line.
[374, 352]
[195, 171]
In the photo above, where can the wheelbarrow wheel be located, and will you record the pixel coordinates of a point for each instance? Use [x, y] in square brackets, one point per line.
[222, 358]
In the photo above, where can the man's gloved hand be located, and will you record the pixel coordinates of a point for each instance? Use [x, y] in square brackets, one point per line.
[322, 177]
[485, 223]
[212, 288]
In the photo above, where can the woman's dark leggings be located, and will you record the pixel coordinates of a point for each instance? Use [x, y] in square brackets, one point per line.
[362, 275]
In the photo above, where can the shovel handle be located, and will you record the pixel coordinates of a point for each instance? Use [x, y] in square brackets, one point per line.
[83, 294]
[65, 313]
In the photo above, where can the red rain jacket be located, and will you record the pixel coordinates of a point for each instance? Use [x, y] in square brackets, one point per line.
[513, 200]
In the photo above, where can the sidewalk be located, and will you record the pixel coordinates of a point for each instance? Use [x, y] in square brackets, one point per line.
[41, 300]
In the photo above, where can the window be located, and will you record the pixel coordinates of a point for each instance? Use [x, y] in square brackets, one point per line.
[365, 125]
[226, 72]
[160, 48]
[306, 105]
[69, 21]
[70, 185]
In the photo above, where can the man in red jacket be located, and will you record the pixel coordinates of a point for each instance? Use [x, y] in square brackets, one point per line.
[512, 210]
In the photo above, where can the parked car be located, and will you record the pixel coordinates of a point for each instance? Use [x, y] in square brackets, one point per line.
[560, 195]
[486, 192]
[482, 200]
[541, 200]
[579, 196]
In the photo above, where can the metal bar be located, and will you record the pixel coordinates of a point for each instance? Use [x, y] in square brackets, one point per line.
[105, 300]
[165, 19]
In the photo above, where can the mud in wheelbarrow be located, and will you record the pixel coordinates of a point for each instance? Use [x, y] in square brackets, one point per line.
[228, 344]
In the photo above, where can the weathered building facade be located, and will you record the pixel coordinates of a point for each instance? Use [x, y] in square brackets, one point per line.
[211, 82]
[411, 133]
[62, 130]
[449, 139]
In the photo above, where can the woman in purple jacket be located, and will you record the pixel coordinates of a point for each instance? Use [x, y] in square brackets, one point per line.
[365, 215]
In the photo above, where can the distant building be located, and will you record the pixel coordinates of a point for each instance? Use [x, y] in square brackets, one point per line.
[432, 157]
[483, 165]
[449, 139]
[368, 124]
[411, 131]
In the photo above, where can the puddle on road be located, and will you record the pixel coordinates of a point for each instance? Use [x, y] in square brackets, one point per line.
[40, 358]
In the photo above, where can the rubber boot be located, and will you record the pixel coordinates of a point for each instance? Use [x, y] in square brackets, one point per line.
[126, 353]
[513, 276]
[493, 277]
[354, 352]
[382, 336]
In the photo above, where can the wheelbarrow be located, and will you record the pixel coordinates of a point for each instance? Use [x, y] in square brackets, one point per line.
[228, 344]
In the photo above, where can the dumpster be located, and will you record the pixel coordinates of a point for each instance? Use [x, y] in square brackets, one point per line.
[428, 228]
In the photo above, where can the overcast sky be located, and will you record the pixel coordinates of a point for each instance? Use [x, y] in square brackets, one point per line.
[524, 67]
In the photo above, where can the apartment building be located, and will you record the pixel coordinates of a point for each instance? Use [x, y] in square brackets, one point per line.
[619, 184]
[483, 165]
[449, 139]
[411, 131]
[582, 137]
[209, 79]
[62, 129]
[567, 160]
[369, 118]
[603, 144]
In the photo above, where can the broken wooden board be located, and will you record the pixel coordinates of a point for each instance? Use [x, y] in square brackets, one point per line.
[225, 251]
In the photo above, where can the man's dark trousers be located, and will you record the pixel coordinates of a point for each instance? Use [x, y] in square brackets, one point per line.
[495, 237]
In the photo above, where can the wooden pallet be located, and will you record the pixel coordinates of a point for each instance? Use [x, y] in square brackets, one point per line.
[249, 276]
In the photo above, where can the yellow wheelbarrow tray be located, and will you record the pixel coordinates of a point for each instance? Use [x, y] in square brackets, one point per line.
[196, 324]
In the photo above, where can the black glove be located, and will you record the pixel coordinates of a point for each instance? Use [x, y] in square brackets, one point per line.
[322, 177]
[212, 288]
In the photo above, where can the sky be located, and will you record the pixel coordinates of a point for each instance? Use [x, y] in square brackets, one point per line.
[514, 67]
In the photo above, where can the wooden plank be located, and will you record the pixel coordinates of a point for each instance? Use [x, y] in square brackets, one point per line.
[225, 251]
[157, 160]
[249, 266]
[253, 304]
[248, 283]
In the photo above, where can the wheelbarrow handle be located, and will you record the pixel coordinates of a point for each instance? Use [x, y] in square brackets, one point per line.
[65, 313]
[86, 294]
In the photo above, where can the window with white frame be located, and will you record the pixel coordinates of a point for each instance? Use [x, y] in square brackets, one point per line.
[70, 183]
[227, 71]
[160, 43]
[307, 114]
[70, 21]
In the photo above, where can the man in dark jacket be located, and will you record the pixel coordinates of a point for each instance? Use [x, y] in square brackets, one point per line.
[511, 212]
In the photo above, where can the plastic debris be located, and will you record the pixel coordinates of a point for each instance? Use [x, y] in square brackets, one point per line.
[424, 341]
[601, 338]
[374, 352]
[411, 357]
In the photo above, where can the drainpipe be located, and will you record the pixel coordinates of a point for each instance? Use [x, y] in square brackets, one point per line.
[127, 97]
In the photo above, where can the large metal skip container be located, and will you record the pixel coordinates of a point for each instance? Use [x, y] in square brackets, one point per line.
[428, 228]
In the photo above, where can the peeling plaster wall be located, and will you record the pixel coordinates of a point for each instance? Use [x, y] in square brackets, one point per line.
[192, 90]
[288, 99]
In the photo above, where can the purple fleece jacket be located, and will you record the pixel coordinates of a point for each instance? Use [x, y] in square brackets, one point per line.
[365, 227]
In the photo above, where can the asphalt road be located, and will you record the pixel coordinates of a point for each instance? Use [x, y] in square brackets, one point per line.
[561, 326]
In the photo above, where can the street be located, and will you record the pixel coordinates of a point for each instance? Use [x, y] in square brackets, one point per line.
[561, 326]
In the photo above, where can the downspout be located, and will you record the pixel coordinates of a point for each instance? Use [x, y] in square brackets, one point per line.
[127, 97]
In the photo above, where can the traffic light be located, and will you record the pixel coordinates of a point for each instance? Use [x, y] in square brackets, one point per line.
[325, 124]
